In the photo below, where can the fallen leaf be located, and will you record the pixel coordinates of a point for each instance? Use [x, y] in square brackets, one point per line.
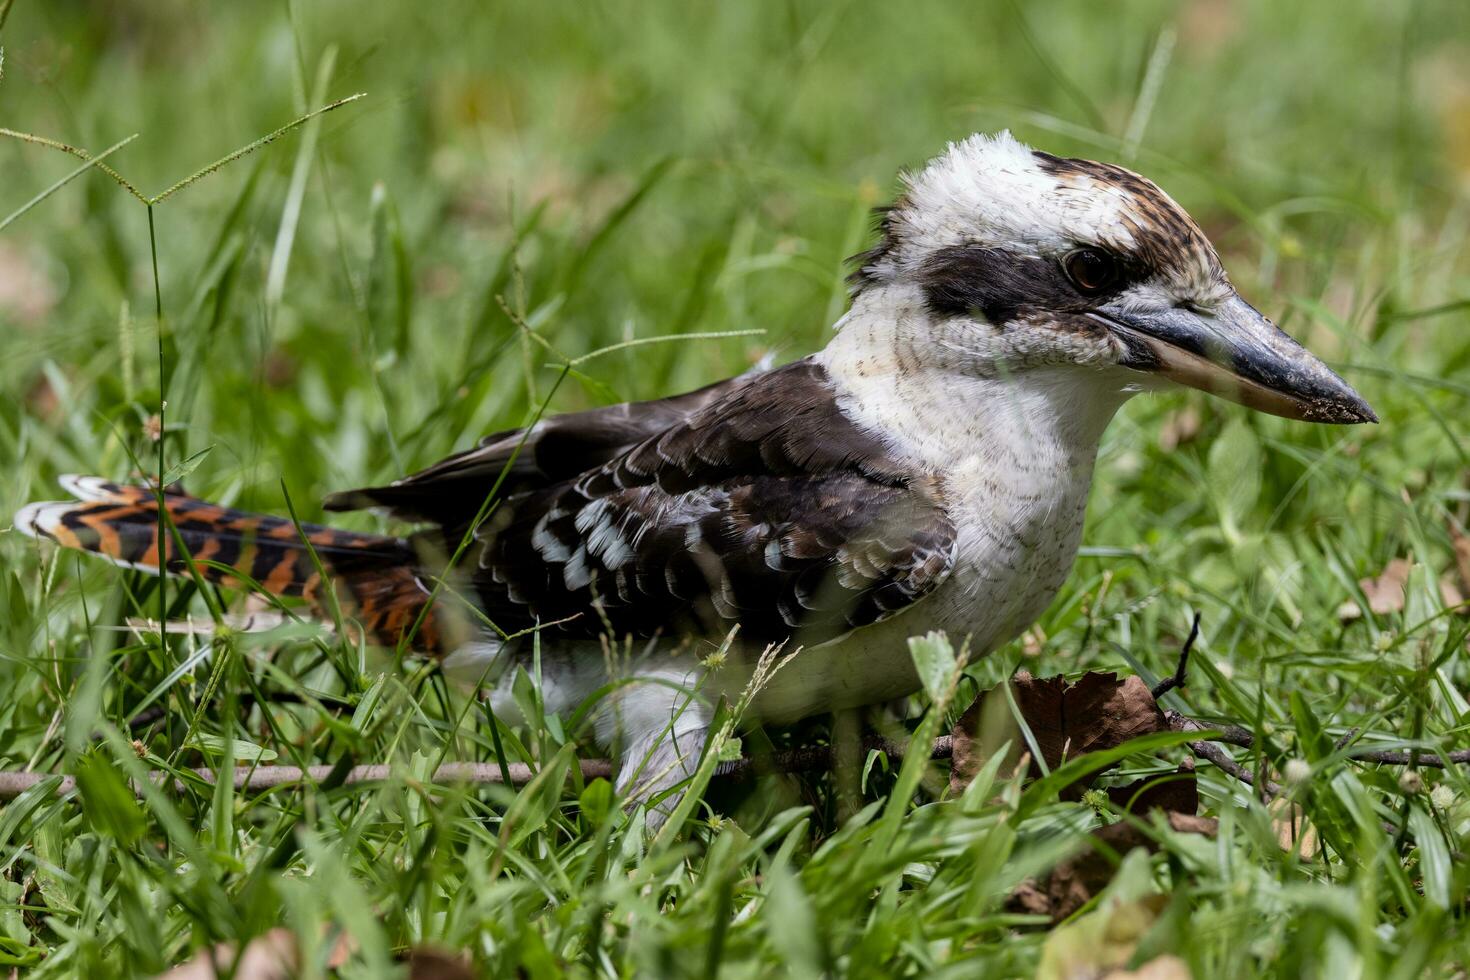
[1069, 719]
[1066, 719]
[1105, 938]
[270, 956]
[1173, 794]
[1385, 593]
[427, 963]
[1074, 881]
[1293, 830]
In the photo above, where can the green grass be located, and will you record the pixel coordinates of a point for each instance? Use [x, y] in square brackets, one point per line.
[332, 316]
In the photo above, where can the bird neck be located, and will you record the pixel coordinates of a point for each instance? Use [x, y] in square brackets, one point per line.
[915, 380]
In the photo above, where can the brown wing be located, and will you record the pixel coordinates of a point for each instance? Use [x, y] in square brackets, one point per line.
[767, 507]
[451, 491]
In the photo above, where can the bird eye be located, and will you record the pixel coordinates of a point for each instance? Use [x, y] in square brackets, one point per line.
[1091, 270]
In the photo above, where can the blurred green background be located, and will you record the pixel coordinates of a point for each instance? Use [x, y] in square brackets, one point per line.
[1318, 144]
[340, 307]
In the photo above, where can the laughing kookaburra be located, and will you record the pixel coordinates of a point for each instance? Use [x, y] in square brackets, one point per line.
[927, 470]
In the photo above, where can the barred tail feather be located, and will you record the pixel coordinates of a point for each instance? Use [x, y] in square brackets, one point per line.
[376, 578]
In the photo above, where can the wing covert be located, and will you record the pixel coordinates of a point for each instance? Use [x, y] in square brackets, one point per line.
[767, 507]
[451, 491]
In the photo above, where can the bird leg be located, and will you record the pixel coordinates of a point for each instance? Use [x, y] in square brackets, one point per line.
[658, 724]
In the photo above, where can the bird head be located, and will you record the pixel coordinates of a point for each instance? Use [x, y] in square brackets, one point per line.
[1028, 259]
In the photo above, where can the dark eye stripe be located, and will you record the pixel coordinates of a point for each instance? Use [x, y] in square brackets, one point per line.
[1003, 285]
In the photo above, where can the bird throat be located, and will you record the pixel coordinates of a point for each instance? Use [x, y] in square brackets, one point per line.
[1013, 455]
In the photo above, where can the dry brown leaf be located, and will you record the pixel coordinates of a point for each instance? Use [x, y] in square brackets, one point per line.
[1099, 711]
[427, 963]
[1067, 720]
[1293, 829]
[1178, 793]
[1107, 937]
[270, 956]
[1385, 593]
[1073, 882]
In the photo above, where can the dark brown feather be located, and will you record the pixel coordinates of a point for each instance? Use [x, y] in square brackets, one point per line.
[451, 491]
[764, 505]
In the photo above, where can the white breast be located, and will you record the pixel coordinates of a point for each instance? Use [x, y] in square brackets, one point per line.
[1014, 457]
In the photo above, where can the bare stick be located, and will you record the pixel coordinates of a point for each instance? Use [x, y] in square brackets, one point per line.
[1429, 760]
[815, 759]
[1169, 683]
[12, 784]
[1236, 735]
[1222, 760]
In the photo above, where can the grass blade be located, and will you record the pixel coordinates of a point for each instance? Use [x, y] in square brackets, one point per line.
[88, 165]
[248, 148]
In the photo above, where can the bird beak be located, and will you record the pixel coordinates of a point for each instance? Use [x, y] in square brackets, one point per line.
[1235, 352]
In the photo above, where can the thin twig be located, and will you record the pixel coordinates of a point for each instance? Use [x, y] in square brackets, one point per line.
[1238, 736]
[815, 759]
[1429, 760]
[12, 784]
[1169, 683]
[1222, 761]
[1229, 734]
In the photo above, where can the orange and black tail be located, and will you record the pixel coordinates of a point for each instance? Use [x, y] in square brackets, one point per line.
[377, 579]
